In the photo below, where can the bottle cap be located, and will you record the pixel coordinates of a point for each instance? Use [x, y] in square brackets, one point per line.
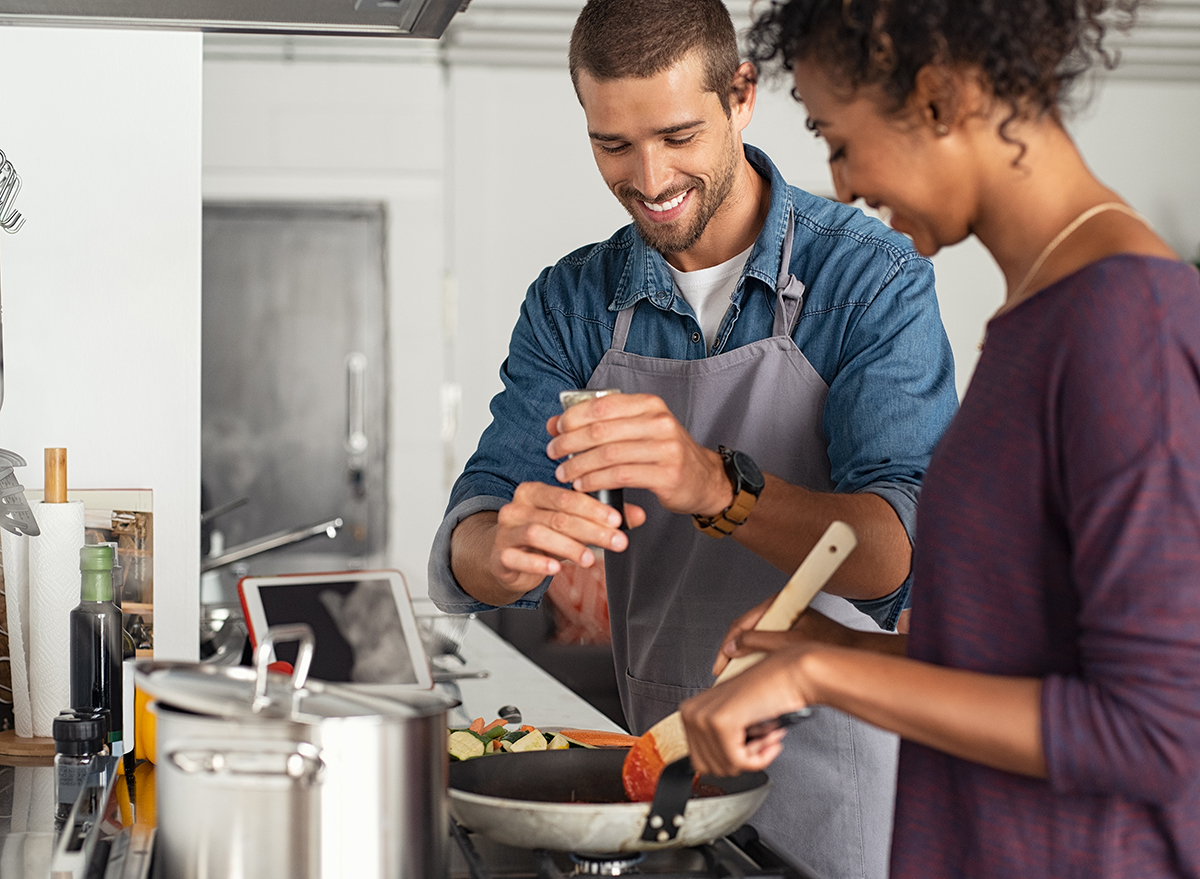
[96, 558]
[80, 732]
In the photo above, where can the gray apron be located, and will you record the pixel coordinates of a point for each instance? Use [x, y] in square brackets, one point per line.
[674, 592]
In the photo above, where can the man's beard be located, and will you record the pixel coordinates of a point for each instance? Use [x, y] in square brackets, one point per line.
[668, 238]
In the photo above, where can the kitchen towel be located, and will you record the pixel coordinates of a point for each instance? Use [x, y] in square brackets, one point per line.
[16, 599]
[53, 594]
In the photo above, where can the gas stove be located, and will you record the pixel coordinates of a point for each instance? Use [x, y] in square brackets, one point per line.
[740, 854]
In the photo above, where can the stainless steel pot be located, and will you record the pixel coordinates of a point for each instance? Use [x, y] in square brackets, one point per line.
[264, 776]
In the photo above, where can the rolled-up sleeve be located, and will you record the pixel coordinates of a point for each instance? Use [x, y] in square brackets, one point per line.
[890, 402]
[512, 449]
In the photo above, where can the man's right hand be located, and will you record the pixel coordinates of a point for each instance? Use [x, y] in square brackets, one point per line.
[498, 557]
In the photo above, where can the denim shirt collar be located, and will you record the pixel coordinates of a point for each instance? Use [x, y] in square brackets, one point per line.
[647, 275]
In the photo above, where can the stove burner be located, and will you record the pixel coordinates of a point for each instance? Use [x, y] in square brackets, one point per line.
[619, 864]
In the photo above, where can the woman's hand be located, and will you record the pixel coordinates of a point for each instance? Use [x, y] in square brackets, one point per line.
[716, 720]
[811, 627]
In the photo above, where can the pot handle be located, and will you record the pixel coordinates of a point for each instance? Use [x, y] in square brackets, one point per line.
[301, 632]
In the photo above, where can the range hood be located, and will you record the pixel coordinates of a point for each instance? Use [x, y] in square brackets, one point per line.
[396, 18]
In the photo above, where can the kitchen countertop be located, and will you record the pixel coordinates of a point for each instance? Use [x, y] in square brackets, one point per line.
[514, 680]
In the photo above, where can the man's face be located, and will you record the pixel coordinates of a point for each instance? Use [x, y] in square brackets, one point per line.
[666, 149]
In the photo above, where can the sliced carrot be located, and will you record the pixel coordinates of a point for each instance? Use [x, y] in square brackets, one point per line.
[600, 738]
[476, 725]
[527, 728]
[495, 723]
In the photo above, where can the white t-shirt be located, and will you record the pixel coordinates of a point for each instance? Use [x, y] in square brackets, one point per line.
[708, 291]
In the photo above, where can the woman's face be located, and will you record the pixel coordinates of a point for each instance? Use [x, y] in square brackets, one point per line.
[896, 163]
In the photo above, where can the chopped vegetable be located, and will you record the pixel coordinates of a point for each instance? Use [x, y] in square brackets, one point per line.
[480, 739]
[464, 745]
[533, 741]
[599, 738]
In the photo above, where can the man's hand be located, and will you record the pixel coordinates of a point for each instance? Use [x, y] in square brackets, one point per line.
[633, 441]
[498, 557]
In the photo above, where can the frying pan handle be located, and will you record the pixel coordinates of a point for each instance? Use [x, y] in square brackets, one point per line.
[760, 729]
[301, 632]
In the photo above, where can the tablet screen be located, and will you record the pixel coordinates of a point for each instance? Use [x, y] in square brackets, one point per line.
[360, 636]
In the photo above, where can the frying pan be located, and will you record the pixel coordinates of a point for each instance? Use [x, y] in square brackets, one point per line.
[573, 800]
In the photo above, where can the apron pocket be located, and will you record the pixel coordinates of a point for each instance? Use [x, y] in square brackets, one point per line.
[650, 702]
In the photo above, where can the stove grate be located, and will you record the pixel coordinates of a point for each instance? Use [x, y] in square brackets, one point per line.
[740, 855]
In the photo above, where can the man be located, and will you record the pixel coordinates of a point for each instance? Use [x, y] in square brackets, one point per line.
[747, 323]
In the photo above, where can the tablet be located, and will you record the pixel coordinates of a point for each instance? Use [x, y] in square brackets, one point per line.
[363, 621]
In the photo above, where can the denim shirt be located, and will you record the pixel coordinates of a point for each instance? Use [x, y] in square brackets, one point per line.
[869, 326]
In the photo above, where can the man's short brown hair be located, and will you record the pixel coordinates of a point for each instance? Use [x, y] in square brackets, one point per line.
[615, 39]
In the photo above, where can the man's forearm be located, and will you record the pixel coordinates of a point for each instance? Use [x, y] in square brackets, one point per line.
[788, 520]
[470, 550]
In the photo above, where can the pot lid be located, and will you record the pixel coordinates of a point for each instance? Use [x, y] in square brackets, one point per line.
[247, 693]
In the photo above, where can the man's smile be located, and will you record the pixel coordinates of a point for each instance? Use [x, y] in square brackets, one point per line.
[664, 211]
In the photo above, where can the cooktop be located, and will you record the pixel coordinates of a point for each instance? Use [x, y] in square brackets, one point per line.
[740, 854]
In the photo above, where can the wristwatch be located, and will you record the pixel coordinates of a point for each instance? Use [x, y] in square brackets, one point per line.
[747, 481]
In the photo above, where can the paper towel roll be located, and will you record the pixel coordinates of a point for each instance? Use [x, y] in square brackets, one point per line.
[53, 593]
[16, 597]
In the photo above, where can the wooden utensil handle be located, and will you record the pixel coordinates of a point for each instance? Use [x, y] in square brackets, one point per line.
[814, 572]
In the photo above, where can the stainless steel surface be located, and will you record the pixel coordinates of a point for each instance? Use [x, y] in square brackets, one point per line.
[286, 777]
[209, 515]
[290, 292]
[524, 800]
[273, 541]
[405, 18]
[357, 442]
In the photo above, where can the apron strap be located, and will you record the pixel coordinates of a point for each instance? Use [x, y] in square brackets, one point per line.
[789, 291]
[621, 328]
[789, 298]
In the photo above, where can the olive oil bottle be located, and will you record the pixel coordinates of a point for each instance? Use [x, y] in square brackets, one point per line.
[96, 646]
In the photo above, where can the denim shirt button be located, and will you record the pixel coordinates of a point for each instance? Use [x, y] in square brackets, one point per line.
[695, 337]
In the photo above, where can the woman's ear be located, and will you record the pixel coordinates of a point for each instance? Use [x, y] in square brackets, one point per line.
[936, 98]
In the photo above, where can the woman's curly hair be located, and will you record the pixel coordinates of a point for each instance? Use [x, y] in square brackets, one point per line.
[1030, 51]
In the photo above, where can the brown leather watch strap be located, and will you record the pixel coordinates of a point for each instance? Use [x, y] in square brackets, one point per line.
[722, 524]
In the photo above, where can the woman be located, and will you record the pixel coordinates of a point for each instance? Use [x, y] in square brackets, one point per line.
[1048, 693]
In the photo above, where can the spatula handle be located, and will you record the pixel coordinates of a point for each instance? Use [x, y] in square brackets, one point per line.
[814, 572]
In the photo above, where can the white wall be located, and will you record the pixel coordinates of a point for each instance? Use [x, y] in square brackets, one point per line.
[101, 288]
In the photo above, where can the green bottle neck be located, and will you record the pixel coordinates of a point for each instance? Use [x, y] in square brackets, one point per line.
[96, 586]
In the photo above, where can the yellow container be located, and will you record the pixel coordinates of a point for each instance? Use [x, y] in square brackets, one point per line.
[144, 723]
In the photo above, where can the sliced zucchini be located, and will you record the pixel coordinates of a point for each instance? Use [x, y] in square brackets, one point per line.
[558, 743]
[465, 744]
[533, 741]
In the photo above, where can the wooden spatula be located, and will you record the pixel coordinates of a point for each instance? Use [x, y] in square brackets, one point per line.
[666, 741]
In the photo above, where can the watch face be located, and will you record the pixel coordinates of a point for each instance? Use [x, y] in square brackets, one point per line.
[751, 476]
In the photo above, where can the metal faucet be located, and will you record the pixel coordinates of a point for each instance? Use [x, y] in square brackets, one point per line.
[273, 541]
